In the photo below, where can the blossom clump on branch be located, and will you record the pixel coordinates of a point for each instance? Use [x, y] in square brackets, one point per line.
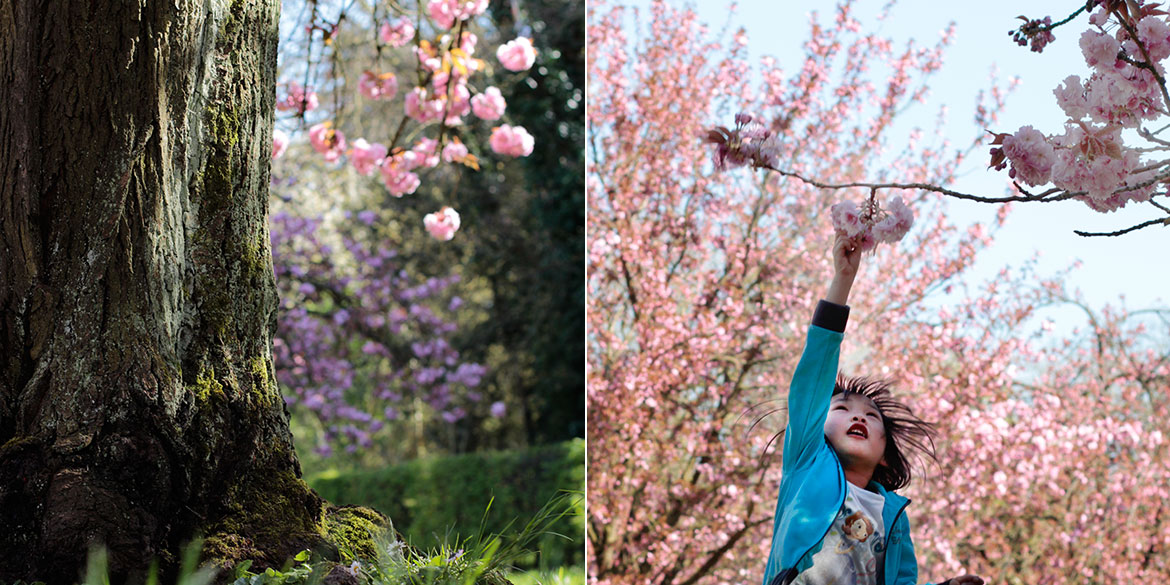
[378, 86]
[327, 140]
[871, 224]
[279, 143]
[488, 105]
[749, 143]
[365, 156]
[1036, 31]
[517, 54]
[446, 13]
[397, 34]
[511, 141]
[298, 100]
[1090, 159]
[442, 224]
[1031, 156]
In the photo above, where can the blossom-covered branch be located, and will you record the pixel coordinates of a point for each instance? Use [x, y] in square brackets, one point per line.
[431, 128]
[1091, 161]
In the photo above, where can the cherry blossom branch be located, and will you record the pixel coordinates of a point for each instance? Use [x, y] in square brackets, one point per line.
[1045, 196]
[930, 187]
[1068, 19]
[1146, 55]
[1145, 64]
[1039, 31]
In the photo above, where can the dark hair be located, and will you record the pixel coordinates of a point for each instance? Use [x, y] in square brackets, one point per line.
[903, 429]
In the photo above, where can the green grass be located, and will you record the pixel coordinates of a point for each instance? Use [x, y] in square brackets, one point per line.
[487, 558]
[559, 576]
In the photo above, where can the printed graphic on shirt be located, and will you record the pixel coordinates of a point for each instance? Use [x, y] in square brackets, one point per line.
[855, 543]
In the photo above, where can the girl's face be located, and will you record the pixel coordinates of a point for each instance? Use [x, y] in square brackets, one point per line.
[855, 430]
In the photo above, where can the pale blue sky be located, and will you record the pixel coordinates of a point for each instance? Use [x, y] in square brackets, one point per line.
[1132, 266]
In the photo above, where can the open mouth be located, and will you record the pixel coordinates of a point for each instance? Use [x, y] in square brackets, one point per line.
[858, 430]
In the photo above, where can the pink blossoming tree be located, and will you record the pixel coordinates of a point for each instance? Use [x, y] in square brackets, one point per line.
[701, 284]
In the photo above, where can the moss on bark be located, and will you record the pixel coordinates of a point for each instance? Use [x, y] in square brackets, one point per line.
[355, 531]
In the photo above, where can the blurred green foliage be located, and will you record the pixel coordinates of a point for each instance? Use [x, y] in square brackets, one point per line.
[436, 501]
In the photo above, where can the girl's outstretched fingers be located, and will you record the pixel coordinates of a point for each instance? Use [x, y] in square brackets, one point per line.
[846, 254]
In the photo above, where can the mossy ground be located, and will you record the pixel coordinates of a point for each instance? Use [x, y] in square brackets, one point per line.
[269, 522]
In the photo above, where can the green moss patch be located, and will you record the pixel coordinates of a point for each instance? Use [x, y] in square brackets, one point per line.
[355, 531]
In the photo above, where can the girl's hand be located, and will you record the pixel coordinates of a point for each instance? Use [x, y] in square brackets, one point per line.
[846, 261]
[846, 256]
[964, 580]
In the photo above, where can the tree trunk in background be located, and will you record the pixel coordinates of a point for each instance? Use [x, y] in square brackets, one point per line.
[138, 402]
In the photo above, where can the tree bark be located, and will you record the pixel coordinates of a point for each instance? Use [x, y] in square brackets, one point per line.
[138, 402]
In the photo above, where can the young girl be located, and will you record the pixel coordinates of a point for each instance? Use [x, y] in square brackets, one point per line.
[838, 520]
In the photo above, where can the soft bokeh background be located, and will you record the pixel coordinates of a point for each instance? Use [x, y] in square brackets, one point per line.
[439, 382]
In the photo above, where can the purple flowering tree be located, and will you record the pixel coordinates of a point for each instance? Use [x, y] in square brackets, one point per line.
[364, 342]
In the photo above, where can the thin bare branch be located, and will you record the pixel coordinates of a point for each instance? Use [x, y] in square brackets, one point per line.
[1163, 221]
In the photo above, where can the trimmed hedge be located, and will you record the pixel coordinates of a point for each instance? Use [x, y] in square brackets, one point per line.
[438, 499]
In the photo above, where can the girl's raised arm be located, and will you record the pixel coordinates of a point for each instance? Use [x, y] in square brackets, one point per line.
[812, 382]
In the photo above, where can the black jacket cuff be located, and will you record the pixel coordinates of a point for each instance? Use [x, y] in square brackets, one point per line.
[831, 316]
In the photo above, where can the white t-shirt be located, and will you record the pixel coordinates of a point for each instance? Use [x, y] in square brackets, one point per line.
[854, 546]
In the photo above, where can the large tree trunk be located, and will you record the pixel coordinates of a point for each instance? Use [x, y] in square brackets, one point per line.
[138, 403]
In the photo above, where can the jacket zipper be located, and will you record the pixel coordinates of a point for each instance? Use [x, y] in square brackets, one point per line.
[890, 530]
[784, 576]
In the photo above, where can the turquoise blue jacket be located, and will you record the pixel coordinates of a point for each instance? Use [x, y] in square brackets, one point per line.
[812, 484]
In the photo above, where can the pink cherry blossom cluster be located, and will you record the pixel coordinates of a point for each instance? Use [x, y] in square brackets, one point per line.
[398, 33]
[423, 106]
[296, 99]
[511, 141]
[455, 151]
[446, 13]
[397, 175]
[489, 104]
[279, 143]
[378, 86]
[1029, 153]
[442, 224]
[449, 97]
[517, 54]
[366, 157]
[749, 143]
[869, 224]
[1035, 31]
[327, 140]
[447, 63]
[397, 169]
[1090, 158]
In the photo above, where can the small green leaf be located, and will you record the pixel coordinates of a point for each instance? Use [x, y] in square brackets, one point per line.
[302, 556]
[242, 569]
